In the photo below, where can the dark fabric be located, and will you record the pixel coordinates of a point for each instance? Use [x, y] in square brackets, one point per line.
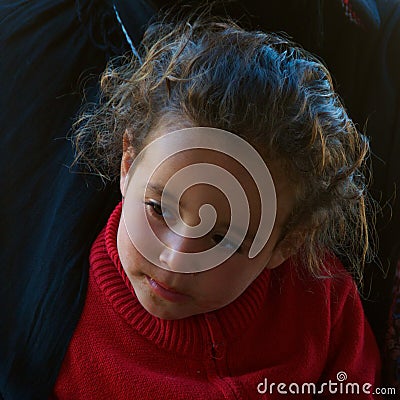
[49, 214]
[135, 16]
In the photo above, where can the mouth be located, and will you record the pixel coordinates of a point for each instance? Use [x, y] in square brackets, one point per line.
[166, 292]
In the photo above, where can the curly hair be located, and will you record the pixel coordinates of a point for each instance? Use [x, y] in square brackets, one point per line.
[263, 87]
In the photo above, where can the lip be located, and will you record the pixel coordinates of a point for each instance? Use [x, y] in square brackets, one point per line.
[166, 292]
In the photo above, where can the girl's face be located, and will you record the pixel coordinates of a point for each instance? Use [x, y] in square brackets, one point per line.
[173, 295]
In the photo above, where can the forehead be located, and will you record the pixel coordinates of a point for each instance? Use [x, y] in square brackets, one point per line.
[209, 162]
[199, 159]
[198, 176]
[221, 155]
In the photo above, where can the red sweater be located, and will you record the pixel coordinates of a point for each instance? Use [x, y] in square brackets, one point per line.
[282, 329]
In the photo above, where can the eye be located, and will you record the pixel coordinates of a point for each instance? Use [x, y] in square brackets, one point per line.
[228, 244]
[155, 209]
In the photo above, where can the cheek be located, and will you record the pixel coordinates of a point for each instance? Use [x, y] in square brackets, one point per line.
[128, 254]
[227, 282]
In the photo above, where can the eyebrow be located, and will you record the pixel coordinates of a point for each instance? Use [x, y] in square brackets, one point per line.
[159, 189]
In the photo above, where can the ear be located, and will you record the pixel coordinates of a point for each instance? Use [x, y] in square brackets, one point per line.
[285, 248]
[128, 155]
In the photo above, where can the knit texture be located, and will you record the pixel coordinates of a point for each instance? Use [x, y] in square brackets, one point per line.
[281, 329]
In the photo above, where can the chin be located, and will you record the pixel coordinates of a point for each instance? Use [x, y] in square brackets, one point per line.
[165, 314]
[161, 309]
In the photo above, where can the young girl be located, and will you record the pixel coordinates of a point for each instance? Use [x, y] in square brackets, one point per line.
[163, 321]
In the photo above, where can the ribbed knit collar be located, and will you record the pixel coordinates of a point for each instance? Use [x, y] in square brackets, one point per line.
[183, 335]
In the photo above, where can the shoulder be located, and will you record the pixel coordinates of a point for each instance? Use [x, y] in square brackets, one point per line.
[333, 275]
[328, 292]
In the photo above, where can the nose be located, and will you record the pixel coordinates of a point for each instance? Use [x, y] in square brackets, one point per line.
[174, 256]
